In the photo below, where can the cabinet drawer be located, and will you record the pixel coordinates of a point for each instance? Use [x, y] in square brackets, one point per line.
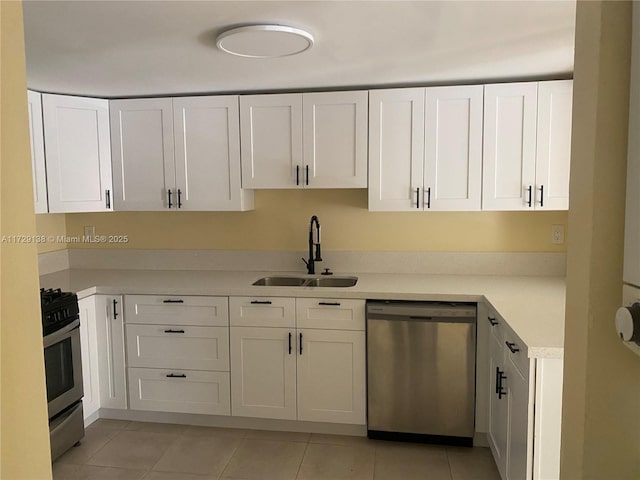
[330, 314]
[262, 312]
[176, 310]
[516, 352]
[182, 391]
[496, 324]
[163, 346]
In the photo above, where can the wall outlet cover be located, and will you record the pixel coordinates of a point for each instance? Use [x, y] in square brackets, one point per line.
[557, 234]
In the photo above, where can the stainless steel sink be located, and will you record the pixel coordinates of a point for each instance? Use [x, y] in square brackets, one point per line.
[277, 281]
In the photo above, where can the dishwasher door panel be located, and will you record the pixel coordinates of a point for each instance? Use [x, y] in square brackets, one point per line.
[421, 376]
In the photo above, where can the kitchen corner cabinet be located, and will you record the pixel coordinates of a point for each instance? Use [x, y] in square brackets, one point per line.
[425, 148]
[177, 154]
[527, 145]
[304, 140]
[36, 137]
[305, 360]
[78, 153]
[525, 403]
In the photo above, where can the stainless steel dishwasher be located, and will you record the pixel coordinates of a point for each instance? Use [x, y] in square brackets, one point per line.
[421, 359]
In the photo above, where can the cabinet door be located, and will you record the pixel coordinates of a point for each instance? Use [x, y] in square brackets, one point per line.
[207, 155]
[111, 365]
[263, 372]
[181, 391]
[509, 150]
[76, 135]
[90, 359]
[335, 139]
[453, 148]
[553, 156]
[143, 161]
[164, 346]
[396, 149]
[177, 310]
[36, 136]
[498, 408]
[517, 386]
[331, 376]
[271, 135]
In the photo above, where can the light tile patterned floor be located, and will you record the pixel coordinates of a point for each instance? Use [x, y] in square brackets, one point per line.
[120, 450]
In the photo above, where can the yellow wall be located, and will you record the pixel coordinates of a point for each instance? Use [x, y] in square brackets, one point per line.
[51, 224]
[281, 219]
[24, 432]
[600, 421]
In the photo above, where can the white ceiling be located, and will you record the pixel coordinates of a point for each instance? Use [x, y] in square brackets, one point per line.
[135, 48]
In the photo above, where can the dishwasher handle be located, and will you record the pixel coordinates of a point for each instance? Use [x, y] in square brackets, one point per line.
[419, 318]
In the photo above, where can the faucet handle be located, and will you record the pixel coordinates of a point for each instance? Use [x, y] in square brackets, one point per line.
[305, 261]
[327, 271]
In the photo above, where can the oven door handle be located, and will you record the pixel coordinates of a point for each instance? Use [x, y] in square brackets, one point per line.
[61, 334]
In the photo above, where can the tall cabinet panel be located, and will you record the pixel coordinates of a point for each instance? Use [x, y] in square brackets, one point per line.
[396, 148]
[509, 145]
[111, 351]
[271, 141]
[335, 139]
[37, 152]
[207, 154]
[453, 148]
[143, 161]
[76, 132]
[553, 155]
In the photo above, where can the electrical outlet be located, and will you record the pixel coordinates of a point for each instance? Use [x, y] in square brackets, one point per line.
[557, 234]
[89, 231]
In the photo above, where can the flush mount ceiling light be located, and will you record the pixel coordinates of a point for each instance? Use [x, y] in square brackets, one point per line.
[264, 41]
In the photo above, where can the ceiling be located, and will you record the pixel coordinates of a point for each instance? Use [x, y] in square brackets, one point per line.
[139, 48]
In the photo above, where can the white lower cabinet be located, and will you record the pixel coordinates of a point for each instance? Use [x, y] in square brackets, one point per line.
[312, 374]
[89, 355]
[178, 354]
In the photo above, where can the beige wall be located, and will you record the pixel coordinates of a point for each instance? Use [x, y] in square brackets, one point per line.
[51, 225]
[24, 435]
[601, 420]
[281, 220]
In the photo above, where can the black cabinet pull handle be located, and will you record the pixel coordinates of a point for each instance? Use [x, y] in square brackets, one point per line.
[174, 375]
[333, 304]
[418, 197]
[429, 197]
[493, 321]
[541, 195]
[260, 302]
[290, 335]
[107, 194]
[501, 391]
[115, 312]
[169, 195]
[174, 331]
[297, 174]
[529, 194]
[307, 171]
[173, 301]
[300, 343]
[512, 347]
[179, 198]
[497, 380]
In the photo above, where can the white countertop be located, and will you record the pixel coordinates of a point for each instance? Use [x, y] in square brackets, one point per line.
[532, 306]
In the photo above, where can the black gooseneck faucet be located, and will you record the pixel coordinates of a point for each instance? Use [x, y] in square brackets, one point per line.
[314, 239]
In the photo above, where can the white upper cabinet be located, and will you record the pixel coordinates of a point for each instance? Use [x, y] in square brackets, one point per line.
[181, 153]
[527, 146]
[453, 148]
[396, 148]
[553, 156]
[313, 140]
[36, 137]
[335, 139]
[425, 149]
[207, 154]
[78, 154]
[143, 163]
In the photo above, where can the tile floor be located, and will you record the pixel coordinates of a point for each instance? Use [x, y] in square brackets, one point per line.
[120, 450]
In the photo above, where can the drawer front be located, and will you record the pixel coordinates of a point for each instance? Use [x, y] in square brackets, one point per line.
[176, 310]
[178, 346]
[516, 352]
[182, 391]
[330, 313]
[262, 312]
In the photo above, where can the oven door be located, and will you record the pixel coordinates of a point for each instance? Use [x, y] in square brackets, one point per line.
[63, 367]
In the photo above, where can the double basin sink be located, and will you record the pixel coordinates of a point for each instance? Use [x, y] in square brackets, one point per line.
[295, 281]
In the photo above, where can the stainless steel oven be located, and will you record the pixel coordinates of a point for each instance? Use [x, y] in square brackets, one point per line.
[63, 369]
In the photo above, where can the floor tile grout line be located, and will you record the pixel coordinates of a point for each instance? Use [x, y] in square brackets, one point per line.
[231, 456]
[164, 453]
[304, 454]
